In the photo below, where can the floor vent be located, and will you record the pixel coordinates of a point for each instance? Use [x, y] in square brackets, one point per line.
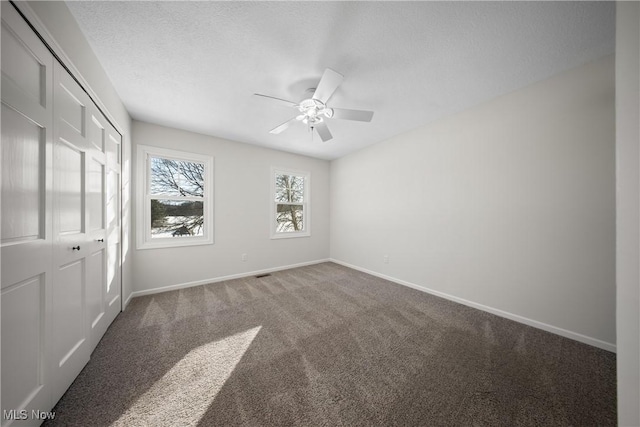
[263, 275]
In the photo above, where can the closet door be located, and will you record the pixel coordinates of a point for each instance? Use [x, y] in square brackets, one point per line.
[73, 261]
[26, 244]
[114, 184]
[103, 230]
[96, 163]
[60, 238]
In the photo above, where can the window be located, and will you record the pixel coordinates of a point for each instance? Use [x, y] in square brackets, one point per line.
[175, 207]
[290, 213]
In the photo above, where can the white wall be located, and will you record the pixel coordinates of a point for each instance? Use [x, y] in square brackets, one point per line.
[628, 210]
[242, 203]
[509, 205]
[56, 24]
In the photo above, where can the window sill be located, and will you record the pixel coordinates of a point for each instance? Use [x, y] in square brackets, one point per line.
[290, 235]
[171, 243]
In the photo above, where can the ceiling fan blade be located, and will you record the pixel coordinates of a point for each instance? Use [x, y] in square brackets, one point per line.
[328, 84]
[283, 126]
[323, 131]
[279, 100]
[346, 114]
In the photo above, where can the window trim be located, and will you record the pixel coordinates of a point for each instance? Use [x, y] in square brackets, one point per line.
[306, 204]
[143, 199]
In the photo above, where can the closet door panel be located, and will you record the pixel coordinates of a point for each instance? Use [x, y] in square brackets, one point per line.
[96, 294]
[69, 173]
[96, 229]
[113, 195]
[26, 245]
[26, 72]
[95, 194]
[24, 359]
[68, 305]
[23, 144]
[71, 247]
[70, 109]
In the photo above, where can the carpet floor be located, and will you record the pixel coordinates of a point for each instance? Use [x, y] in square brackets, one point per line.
[325, 345]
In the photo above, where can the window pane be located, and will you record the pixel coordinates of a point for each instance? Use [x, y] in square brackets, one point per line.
[177, 177]
[289, 218]
[289, 188]
[171, 218]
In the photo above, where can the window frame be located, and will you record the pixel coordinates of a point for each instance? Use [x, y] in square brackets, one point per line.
[144, 197]
[306, 204]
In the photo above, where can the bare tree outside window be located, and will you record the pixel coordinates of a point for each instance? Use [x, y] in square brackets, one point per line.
[289, 198]
[177, 190]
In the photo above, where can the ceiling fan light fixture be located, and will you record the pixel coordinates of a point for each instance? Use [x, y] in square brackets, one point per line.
[311, 107]
[312, 120]
[313, 110]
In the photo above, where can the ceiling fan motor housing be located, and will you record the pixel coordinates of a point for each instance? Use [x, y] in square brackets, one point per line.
[312, 110]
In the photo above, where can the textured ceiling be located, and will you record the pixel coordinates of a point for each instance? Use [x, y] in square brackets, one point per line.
[195, 65]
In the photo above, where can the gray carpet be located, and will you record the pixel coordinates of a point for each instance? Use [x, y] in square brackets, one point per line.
[327, 345]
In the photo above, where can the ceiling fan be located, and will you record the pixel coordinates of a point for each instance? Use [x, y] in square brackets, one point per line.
[314, 110]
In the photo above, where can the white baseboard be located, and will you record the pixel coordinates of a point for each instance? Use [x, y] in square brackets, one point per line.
[530, 322]
[127, 301]
[220, 279]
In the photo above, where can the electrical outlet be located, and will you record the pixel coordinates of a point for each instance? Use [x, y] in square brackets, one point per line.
[386, 259]
[244, 257]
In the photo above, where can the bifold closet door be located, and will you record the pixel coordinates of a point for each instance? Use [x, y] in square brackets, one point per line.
[86, 267]
[27, 96]
[60, 224]
[113, 289]
[78, 261]
[96, 160]
[103, 229]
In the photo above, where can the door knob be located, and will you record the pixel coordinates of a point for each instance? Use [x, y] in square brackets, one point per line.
[76, 248]
[100, 240]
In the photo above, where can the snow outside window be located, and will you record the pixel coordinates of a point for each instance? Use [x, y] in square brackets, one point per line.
[178, 198]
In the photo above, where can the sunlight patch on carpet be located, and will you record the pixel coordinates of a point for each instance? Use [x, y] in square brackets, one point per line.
[183, 395]
[153, 315]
